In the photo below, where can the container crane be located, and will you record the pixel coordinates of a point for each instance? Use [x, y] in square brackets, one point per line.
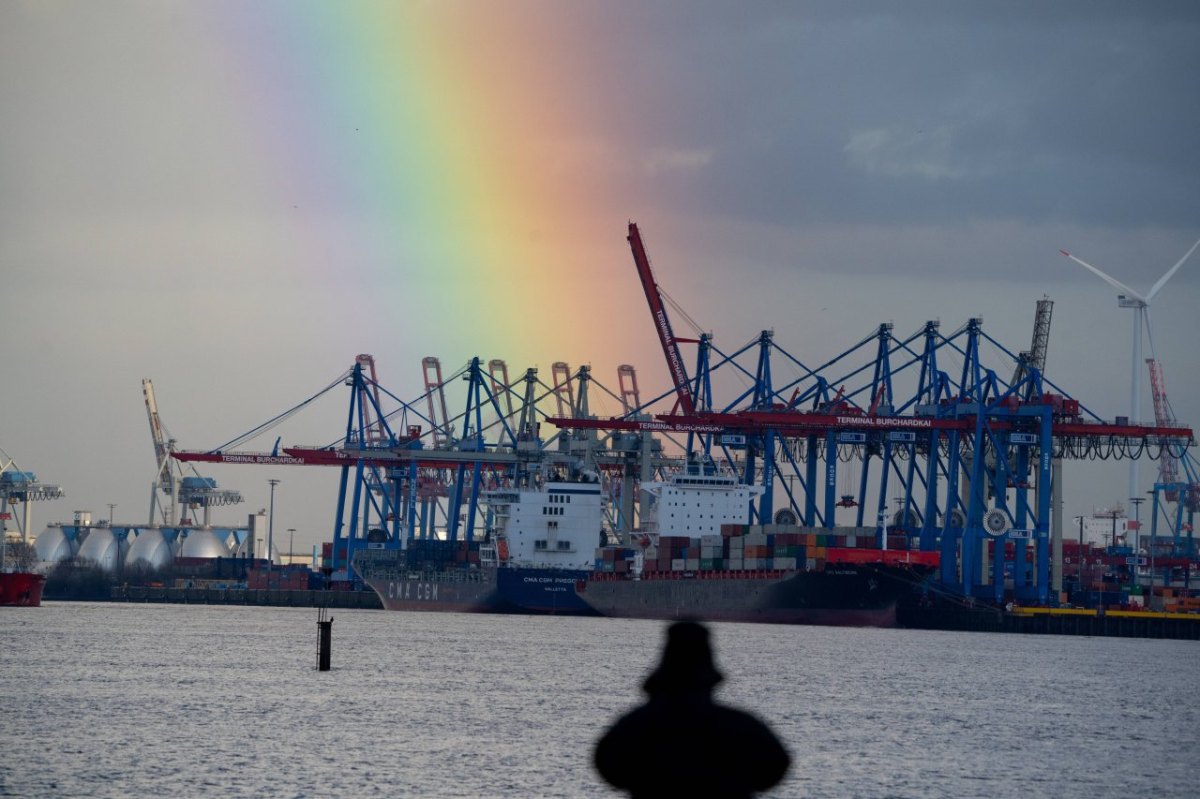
[189, 492]
[527, 425]
[631, 398]
[662, 324]
[20, 488]
[564, 393]
[163, 447]
[498, 372]
[373, 429]
[981, 455]
[440, 431]
[1035, 356]
[1168, 464]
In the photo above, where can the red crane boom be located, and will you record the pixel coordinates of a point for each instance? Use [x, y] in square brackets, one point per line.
[1168, 464]
[662, 324]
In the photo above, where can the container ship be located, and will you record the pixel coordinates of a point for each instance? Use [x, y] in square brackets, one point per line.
[534, 561]
[779, 573]
[539, 549]
[839, 585]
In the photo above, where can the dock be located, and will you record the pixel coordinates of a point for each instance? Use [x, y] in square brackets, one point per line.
[1055, 621]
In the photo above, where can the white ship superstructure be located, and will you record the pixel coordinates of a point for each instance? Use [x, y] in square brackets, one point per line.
[697, 502]
[554, 525]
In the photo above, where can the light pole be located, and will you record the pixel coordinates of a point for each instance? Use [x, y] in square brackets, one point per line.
[271, 524]
[1137, 520]
[291, 541]
[1137, 538]
[1153, 540]
[1080, 561]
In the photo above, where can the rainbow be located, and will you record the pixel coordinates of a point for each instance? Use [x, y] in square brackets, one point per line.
[442, 148]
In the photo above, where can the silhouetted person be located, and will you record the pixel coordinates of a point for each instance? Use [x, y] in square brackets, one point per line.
[682, 743]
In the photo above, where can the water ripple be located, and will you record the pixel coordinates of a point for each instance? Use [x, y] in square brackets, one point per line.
[154, 700]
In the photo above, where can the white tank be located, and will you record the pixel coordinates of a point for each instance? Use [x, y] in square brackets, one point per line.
[53, 547]
[151, 548]
[202, 542]
[103, 548]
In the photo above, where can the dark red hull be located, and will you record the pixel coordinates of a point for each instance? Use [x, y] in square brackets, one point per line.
[21, 589]
[843, 594]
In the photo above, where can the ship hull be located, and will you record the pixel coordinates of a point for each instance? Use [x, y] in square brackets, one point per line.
[542, 591]
[843, 595]
[504, 590]
[21, 589]
[433, 593]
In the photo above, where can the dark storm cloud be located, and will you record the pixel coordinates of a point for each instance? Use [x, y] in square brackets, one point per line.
[1077, 113]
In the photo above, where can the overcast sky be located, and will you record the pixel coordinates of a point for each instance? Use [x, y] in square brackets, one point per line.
[185, 196]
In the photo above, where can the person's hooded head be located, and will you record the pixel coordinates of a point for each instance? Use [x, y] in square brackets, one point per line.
[687, 662]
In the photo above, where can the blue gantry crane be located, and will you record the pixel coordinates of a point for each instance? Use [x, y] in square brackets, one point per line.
[971, 458]
[951, 457]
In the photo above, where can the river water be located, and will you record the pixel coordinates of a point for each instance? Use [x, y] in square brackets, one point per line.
[115, 700]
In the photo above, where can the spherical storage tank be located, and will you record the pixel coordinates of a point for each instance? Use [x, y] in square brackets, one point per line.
[54, 546]
[151, 548]
[203, 543]
[103, 548]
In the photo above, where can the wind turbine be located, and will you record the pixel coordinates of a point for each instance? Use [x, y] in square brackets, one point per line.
[1141, 318]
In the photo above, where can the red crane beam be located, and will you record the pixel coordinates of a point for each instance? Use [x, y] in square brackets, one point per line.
[797, 423]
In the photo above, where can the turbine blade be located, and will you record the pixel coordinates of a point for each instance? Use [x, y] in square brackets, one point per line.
[1112, 281]
[1163, 280]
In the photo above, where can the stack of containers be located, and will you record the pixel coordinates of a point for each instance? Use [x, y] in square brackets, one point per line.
[1087, 564]
[673, 552]
[613, 559]
[735, 543]
[434, 554]
[279, 578]
[758, 552]
[789, 550]
[712, 553]
[745, 547]
[815, 545]
[650, 557]
[1174, 600]
[465, 552]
